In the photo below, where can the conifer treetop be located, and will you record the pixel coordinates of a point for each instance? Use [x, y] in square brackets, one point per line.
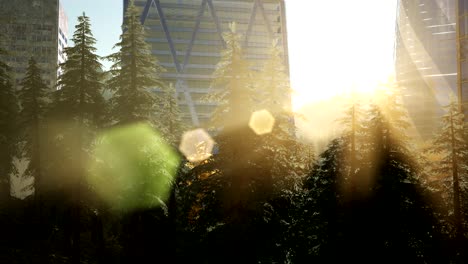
[136, 73]
[80, 85]
[32, 94]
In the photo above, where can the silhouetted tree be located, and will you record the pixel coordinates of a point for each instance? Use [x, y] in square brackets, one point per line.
[352, 123]
[8, 128]
[135, 75]
[139, 95]
[387, 218]
[33, 99]
[171, 124]
[278, 152]
[451, 144]
[317, 226]
[227, 212]
[232, 89]
[232, 85]
[395, 204]
[79, 102]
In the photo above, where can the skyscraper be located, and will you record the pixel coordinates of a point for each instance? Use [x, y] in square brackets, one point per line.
[186, 36]
[34, 28]
[427, 58]
[462, 36]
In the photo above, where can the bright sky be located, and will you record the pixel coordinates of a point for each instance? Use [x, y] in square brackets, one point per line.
[333, 45]
[106, 18]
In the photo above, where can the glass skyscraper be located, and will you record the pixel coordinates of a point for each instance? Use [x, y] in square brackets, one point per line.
[34, 28]
[186, 36]
[427, 58]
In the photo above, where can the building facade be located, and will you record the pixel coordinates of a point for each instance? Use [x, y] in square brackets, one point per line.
[34, 28]
[186, 36]
[427, 58]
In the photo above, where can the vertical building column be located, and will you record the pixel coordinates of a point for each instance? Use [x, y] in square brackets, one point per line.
[458, 8]
[284, 32]
[462, 66]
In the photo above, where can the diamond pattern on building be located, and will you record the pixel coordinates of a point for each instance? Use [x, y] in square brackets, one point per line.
[186, 36]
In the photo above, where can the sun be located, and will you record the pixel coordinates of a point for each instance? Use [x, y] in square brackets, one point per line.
[339, 46]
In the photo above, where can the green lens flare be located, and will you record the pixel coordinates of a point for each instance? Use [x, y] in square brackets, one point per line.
[132, 167]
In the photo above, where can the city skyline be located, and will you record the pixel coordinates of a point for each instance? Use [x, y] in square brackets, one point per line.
[374, 53]
[189, 149]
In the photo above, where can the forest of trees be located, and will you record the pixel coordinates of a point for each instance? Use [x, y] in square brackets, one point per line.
[111, 186]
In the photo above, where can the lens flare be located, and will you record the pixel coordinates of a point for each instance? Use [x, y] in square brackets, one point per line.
[132, 167]
[196, 145]
[261, 122]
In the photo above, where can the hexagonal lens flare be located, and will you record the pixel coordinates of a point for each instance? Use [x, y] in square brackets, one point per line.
[132, 167]
[196, 145]
[262, 122]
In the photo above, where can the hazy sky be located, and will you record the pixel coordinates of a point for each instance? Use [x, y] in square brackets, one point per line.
[336, 45]
[106, 18]
[333, 45]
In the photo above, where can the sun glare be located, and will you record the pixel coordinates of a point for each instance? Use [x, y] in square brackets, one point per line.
[339, 46]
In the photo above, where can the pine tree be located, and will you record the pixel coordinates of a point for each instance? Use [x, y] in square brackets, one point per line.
[135, 74]
[79, 101]
[233, 91]
[278, 152]
[318, 225]
[451, 144]
[232, 85]
[32, 97]
[392, 183]
[221, 192]
[391, 106]
[387, 215]
[274, 95]
[80, 86]
[352, 124]
[274, 91]
[139, 95]
[385, 136]
[171, 125]
[8, 128]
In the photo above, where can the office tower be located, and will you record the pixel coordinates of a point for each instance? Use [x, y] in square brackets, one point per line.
[427, 59]
[34, 28]
[462, 36]
[186, 36]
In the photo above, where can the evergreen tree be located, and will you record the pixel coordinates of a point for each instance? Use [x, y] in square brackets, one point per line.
[80, 86]
[171, 125]
[135, 74]
[353, 129]
[394, 198]
[232, 90]
[32, 97]
[387, 215]
[232, 85]
[80, 105]
[274, 91]
[222, 193]
[280, 161]
[278, 150]
[385, 134]
[318, 225]
[139, 95]
[8, 128]
[451, 144]
[390, 103]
